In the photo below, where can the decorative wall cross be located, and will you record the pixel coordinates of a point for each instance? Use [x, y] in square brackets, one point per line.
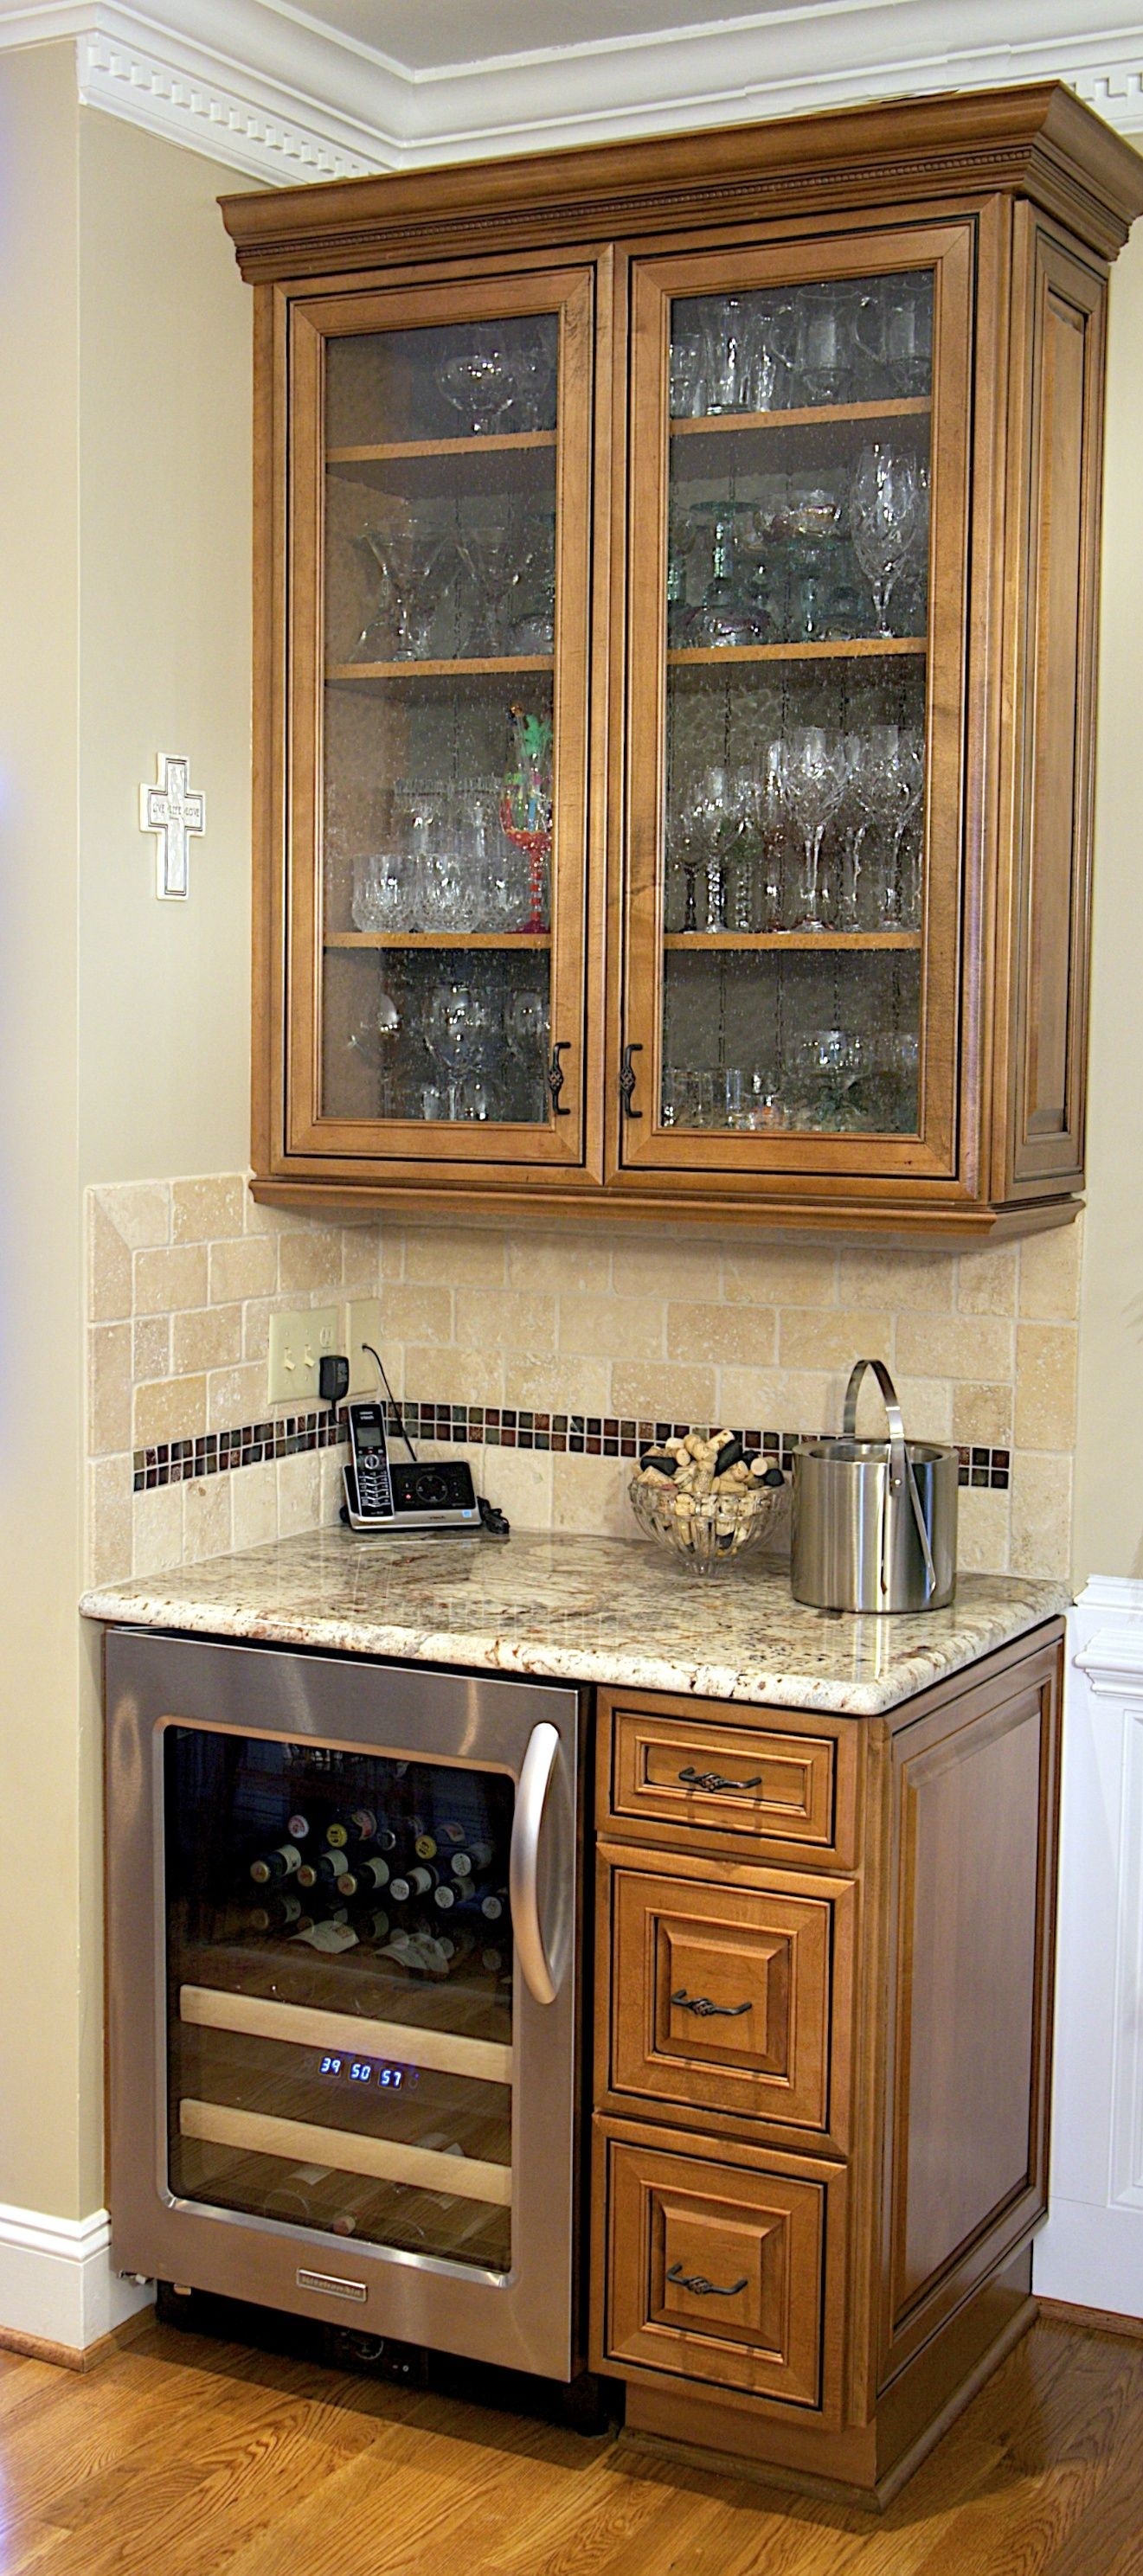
[174, 810]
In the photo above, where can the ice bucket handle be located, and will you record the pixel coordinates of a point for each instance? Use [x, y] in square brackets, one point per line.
[900, 1464]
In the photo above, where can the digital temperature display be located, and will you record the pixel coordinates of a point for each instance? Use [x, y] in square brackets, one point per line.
[369, 2070]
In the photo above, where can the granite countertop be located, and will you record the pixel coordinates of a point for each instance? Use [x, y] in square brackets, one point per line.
[579, 1609]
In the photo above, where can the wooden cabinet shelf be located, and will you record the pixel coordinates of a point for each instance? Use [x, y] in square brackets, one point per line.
[818, 943]
[959, 248]
[497, 940]
[483, 666]
[855, 648]
[812, 416]
[394, 450]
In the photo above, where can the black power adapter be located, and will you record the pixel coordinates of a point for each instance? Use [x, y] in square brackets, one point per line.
[333, 1378]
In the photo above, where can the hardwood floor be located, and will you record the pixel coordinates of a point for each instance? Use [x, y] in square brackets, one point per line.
[184, 2457]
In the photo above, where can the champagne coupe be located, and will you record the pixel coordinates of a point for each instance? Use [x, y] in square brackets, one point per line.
[406, 559]
[484, 385]
[888, 509]
[814, 768]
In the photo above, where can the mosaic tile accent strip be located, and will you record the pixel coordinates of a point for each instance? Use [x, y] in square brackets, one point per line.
[489, 1426]
[175, 1462]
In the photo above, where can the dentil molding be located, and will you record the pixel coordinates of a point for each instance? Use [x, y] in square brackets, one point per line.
[268, 90]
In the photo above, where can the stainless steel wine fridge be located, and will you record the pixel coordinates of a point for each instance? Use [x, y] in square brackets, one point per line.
[343, 1971]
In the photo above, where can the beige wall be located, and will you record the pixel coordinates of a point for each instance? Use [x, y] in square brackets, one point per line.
[165, 355]
[1108, 1537]
[40, 1255]
[124, 536]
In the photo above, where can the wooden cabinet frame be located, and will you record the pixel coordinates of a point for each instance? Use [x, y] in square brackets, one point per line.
[1023, 197]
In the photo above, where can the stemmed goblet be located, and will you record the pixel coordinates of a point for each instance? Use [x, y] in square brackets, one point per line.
[456, 1023]
[888, 508]
[814, 767]
[526, 1029]
[406, 559]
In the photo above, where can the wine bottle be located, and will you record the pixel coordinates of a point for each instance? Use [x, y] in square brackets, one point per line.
[299, 1827]
[466, 1864]
[295, 2196]
[276, 1915]
[330, 1866]
[418, 1881]
[373, 1925]
[275, 1864]
[493, 1960]
[385, 1838]
[307, 1874]
[337, 1835]
[493, 1907]
[425, 1847]
[363, 1824]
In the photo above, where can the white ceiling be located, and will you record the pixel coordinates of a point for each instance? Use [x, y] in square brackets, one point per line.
[435, 35]
[284, 92]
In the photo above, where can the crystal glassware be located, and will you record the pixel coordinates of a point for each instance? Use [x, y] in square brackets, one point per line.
[489, 553]
[484, 385]
[813, 772]
[888, 510]
[456, 1024]
[526, 1029]
[407, 560]
[824, 347]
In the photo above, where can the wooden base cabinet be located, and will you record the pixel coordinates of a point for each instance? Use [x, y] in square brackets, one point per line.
[675, 629]
[822, 2078]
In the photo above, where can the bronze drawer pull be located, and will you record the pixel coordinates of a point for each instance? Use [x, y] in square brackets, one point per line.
[704, 2289]
[702, 2005]
[693, 1779]
[627, 1080]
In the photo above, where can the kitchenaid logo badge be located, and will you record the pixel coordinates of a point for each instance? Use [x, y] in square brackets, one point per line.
[329, 2287]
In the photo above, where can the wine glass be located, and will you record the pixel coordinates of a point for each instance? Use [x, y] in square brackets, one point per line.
[375, 1040]
[824, 343]
[526, 1029]
[888, 508]
[457, 1019]
[406, 559]
[488, 552]
[814, 768]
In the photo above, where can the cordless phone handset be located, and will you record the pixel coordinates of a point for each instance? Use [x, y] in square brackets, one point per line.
[368, 1468]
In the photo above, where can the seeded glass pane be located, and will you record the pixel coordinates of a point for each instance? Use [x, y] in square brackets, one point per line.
[797, 620]
[371, 1895]
[438, 764]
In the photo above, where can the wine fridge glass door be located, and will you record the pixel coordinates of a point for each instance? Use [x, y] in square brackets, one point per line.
[343, 1971]
[340, 1970]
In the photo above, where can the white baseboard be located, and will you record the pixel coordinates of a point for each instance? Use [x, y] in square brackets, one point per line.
[56, 2280]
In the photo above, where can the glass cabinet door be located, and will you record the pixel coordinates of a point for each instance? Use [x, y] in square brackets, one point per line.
[798, 554]
[440, 525]
[340, 1993]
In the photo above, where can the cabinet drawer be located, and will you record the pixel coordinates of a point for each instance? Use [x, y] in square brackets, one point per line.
[721, 1997]
[716, 2271]
[702, 1780]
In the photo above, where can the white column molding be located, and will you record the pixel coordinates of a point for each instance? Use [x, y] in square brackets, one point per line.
[57, 2282]
[1091, 2252]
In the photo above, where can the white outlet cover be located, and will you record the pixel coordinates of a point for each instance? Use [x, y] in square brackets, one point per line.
[297, 1343]
[363, 1324]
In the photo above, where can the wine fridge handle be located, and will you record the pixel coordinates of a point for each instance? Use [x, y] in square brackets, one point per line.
[524, 1861]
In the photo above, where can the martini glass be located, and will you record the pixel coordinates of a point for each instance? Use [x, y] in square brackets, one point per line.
[400, 628]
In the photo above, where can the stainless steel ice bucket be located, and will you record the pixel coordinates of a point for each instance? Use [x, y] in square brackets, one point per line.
[874, 1520]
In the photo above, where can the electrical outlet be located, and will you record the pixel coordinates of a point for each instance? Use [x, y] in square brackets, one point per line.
[297, 1343]
[363, 1324]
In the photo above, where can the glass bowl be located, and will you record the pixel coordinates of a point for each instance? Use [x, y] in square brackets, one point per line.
[707, 1531]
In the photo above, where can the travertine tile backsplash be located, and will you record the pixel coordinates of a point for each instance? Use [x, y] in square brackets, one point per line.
[184, 1276]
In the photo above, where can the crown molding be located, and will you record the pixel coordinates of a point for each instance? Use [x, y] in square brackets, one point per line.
[261, 87]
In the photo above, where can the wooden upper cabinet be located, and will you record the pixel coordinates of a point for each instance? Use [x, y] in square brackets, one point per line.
[675, 671]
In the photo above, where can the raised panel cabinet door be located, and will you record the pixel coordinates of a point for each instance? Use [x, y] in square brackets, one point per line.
[436, 744]
[1058, 429]
[798, 569]
[721, 1997]
[716, 1784]
[715, 2272]
[975, 1826]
